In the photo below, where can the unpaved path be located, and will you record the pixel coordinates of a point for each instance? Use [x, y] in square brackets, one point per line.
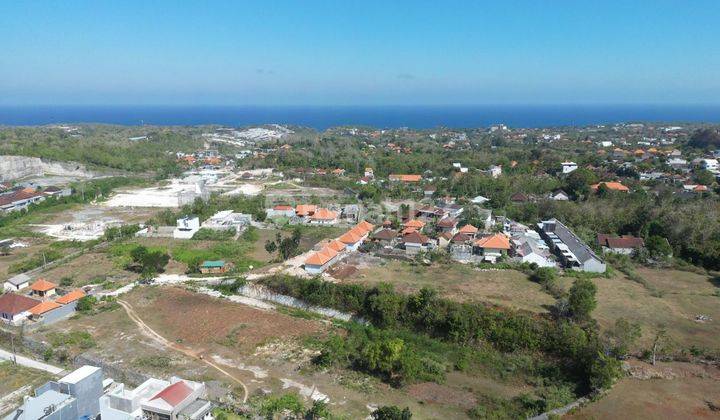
[149, 332]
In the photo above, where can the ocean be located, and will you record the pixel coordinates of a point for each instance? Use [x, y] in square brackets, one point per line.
[322, 117]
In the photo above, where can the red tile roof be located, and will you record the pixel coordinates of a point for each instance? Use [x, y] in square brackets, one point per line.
[624, 241]
[43, 285]
[174, 394]
[70, 297]
[43, 307]
[13, 304]
[469, 229]
[405, 178]
[415, 238]
[23, 194]
[305, 209]
[324, 214]
[321, 257]
[496, 241]
[614, 186]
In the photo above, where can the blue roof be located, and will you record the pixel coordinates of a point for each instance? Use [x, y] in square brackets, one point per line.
[213, 264]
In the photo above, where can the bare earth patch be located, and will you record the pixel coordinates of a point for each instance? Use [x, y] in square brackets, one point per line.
[431, 392]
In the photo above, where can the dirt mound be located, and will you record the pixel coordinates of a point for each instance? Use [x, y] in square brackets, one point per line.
[343, 271]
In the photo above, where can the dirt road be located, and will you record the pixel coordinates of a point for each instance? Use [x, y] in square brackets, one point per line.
[149, 332]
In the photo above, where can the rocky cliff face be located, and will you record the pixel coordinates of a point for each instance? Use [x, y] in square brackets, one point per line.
[18, 167]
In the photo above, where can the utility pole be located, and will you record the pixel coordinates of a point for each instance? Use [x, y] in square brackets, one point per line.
[12, 347]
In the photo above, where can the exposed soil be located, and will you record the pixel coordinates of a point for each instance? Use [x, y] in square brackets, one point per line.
[431, 392]
[198, 319]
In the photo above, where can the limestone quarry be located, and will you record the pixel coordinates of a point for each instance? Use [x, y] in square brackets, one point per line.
[20, 167]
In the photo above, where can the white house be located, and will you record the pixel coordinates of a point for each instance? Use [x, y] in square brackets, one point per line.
[227, 220]
[186, 227]
[559, 195]
[479, 200]
[568, 167]
[495, 171]
[16, 283]
[14, 308]
[710, 165]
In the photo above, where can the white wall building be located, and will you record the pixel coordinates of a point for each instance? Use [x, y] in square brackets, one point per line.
[568, 167]
[186, 227]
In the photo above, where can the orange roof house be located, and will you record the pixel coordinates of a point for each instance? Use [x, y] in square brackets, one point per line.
[43, 285]
[323, 214]
[76, 294]
[351, 237]
[496, 241]
[305, 209]
[468, 229]
[321, 257]
[405, 178]
[614, 186]
[336, 246]
[366, 226]
[44, 307]
[414, 224]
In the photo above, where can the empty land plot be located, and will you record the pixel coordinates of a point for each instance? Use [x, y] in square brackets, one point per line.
[90, 268]
[459, 282]
[117, 340]
[689, 395]
[13, 377]
[682, 296]
[258, 252]
[198, 320]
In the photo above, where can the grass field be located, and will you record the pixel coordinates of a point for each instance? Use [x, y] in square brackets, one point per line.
[680, 297]
[459, 282]
[689, 395]
[13, 377]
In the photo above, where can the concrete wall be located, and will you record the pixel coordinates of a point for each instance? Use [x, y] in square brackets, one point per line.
[17, 167]
[58, 314]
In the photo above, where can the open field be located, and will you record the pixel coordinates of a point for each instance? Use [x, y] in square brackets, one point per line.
[90, 268]
[13, 377]
[25, 258]
[690, 394]
[267, 350]
[459, 282]
[682, 296]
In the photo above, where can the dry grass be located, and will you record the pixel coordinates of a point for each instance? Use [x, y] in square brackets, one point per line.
[687, 396]
[459, 282]
[13, 377]
[683, 296]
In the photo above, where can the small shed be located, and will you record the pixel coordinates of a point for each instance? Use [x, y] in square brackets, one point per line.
[214, 267]
[43, 288]
[16, 283]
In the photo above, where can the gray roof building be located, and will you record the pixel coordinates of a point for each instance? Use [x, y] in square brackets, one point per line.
[571, 250]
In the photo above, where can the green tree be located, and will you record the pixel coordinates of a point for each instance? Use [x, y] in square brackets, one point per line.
[86, 303]
[658, 247]
[603, 372]
[149, 262]
[579, 181]
[391, 412]
[622, 336]
[581, 299]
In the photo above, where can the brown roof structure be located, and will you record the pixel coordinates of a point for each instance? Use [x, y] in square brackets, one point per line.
[623, 241]
[415, 238]
[385, 235]
[13, 304]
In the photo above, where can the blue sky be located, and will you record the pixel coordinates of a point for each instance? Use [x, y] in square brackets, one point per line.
[359, 52]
